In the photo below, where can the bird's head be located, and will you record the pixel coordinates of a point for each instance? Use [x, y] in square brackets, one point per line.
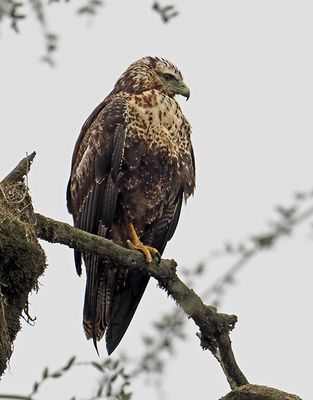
[152, 73]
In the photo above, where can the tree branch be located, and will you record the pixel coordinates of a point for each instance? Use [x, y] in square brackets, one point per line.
[18, 174]
[17, 216]
[214, 327]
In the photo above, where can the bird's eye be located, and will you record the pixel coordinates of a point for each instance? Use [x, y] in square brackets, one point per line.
[168, 77]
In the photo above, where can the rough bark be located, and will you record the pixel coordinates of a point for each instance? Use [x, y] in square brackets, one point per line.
[22, 261]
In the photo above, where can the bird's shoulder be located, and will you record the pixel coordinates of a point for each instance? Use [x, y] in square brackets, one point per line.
[99, 127]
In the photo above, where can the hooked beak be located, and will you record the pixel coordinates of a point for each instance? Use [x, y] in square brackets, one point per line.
[183, 90]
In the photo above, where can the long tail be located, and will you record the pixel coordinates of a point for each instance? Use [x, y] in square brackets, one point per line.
[123, 307]
[111, 299]
[98, 293]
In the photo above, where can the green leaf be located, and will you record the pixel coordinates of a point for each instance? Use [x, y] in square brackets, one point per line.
[35, 387]
[98, 366]
[99, 391]
[69, 363]
[113, 378]
[56, 375]
[45, 373]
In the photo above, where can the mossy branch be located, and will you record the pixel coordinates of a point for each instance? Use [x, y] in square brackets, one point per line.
[22, 260]
[214, 327]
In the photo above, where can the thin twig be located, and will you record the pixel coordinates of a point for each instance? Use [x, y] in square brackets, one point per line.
[15, 397]
[279, 232]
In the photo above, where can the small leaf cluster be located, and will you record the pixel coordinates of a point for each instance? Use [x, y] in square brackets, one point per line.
[46, 374]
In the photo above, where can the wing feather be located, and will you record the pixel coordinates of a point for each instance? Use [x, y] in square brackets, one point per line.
[91, 198]
[108, 205]
[96, 160]
[164, 227]
[118, 149]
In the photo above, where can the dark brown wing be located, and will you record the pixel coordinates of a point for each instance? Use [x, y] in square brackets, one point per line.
[91, 198]
[164, 228]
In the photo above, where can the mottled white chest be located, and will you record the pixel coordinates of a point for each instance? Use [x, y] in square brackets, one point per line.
[158, 120]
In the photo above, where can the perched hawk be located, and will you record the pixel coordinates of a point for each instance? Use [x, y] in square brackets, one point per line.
[132, 166]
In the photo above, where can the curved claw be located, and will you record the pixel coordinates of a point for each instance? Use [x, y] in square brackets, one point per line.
[136, 244]
[158, 257]
[148, 251]
[154, 253]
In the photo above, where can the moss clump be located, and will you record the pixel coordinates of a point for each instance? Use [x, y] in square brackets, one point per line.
[22, 260]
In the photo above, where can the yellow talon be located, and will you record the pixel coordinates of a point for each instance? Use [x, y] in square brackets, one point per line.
[136, 244]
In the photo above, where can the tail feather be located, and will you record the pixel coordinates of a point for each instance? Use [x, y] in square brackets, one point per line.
[111, 299]
[96, 304]
[123, 307]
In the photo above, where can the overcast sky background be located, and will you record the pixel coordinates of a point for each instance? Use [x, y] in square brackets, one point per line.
[249, 67]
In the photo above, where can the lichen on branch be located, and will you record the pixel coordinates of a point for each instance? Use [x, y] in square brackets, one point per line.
[22, 260]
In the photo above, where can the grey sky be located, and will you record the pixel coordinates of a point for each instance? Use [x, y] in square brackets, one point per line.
[249, 67]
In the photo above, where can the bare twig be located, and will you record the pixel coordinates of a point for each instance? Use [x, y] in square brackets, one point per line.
[14, 397]
[166, 12]
[18, 173]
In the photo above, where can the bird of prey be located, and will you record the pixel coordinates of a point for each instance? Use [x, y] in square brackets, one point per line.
[132, 166]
